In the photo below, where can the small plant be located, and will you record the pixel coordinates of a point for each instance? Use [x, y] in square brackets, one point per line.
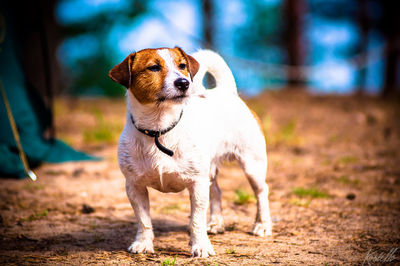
[230, 227]
[348, 159]
[99, 134]
[300, 202]
[286, 135]
[32, 187]
[310, 192]
[288, 130]
[333, 139]
[326, 162]
[230, 251]
[36, 216]
[266, 123]
[243, 197]
[170, 208]
[346, 180]
[103, 132]
[169, 261]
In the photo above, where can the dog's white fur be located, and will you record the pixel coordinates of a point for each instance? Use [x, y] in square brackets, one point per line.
[216, 125]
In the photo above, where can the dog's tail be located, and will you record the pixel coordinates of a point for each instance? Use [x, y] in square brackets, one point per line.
[214, 64]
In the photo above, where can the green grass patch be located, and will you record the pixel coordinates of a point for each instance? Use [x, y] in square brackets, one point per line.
[266, 123]
[300, 202]
[346, 180]
[297, 160]
[310, 192]
[286, 134]
[99, 134]
[326, 162]
[36, 216]
[169, 261]
[288, 130]
[348, 159]
[33, 186]
[333, 139]
[230, 251]
[170, 208]
[231, 227]
[243, 197]
[105, 131]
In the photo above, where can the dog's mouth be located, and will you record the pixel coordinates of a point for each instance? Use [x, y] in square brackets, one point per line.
[177, 98]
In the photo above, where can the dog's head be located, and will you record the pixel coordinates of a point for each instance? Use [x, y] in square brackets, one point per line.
[157, 75]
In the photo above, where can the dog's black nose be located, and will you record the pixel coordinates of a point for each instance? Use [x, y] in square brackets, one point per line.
[181, 84]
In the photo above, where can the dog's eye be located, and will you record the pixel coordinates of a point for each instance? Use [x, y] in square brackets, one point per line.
[182, 66]
[154, 68]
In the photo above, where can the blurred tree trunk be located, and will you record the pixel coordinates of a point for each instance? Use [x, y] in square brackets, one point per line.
[293, 11]
[208, 23]
[363, 24]
[391, 32]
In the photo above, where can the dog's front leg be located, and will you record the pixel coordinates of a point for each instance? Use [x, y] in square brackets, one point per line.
[139, 198]
[199, 199]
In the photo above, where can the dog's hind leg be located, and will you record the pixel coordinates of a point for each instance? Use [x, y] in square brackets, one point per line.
[256, 170]
[216, 222]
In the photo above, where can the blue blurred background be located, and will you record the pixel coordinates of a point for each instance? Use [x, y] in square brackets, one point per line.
[328, 46]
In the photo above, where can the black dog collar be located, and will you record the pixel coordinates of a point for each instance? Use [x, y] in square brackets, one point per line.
[156, 134]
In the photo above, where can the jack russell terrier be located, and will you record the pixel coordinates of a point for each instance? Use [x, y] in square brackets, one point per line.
[177, 134]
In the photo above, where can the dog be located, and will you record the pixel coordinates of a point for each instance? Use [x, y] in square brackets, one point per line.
[177, 134]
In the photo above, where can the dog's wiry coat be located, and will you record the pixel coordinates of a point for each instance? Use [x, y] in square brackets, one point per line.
[216, 125]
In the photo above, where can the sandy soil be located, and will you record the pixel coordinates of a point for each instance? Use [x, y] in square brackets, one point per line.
[334, 174]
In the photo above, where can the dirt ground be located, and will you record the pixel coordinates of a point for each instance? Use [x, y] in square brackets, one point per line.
[334, 175]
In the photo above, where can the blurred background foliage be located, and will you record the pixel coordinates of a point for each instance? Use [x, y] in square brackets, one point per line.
[85, 53]
[328, 46]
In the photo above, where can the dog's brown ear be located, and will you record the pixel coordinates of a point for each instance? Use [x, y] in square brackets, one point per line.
[121, 73]
[193, 65]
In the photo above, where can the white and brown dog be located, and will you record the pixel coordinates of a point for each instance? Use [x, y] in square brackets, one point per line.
[177, 133]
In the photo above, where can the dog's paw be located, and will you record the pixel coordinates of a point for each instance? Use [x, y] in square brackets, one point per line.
[144, 246]
[202, 250]
[262, 229]
[216, 225]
